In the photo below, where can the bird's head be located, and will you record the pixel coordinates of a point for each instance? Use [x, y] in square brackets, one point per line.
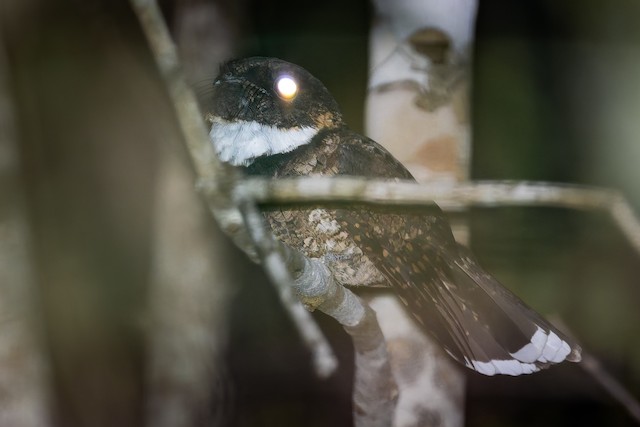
[266, 106]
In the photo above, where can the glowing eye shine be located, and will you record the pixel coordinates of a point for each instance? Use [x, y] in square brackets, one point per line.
[287, 88]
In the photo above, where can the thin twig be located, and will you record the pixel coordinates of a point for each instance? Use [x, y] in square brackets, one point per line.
[375, 392]
[624, 216]
[189, 116]
[208, 167]
[380, 192]
[448, 196]
[614, 387]
[278, 260]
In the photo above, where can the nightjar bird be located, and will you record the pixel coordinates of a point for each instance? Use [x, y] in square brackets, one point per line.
[274, 119]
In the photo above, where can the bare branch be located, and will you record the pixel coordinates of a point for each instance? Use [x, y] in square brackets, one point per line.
[219, 177]
[278, 260]
[626, 219]
[374, 387]
[450, 197]
[206, 163]
[375, 393]
[614, 387]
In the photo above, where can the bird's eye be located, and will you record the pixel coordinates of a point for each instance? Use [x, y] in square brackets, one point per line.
[286, 87]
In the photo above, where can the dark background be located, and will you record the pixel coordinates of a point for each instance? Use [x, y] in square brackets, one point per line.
[556, 97]
[553, 100]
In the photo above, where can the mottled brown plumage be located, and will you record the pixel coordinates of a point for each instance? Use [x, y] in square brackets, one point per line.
[321, 232]
[477, 320]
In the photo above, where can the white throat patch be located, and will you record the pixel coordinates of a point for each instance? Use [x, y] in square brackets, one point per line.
[240, 143]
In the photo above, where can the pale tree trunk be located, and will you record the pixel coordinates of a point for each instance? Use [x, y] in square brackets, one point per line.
[90, 116]
[189, 301]
[24, 381]
[417, 107]
[186, 379]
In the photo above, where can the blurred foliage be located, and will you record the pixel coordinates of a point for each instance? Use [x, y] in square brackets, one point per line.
[557, 99]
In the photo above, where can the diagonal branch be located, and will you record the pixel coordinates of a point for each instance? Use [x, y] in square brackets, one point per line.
[375, 392]
[281, 263]
[206, 164]
[208, 167]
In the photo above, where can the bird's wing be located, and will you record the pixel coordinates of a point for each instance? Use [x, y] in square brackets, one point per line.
[477, 320]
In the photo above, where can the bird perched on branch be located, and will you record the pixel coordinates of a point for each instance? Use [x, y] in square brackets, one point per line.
[273, 118]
